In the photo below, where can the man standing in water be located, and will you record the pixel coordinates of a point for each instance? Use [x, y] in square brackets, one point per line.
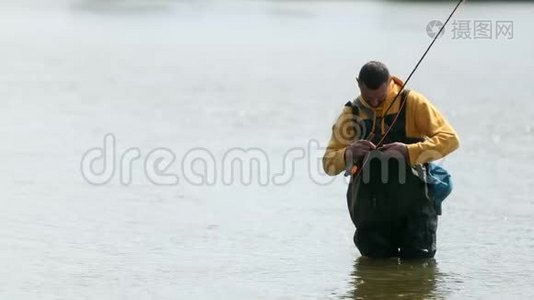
[388, 202]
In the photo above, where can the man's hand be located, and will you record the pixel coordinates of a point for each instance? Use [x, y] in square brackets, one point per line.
[358, 150]
[398, 150]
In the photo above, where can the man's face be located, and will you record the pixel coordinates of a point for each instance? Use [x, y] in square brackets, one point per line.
[374, 97]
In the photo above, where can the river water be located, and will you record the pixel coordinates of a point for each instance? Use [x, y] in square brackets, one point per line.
[204, 80]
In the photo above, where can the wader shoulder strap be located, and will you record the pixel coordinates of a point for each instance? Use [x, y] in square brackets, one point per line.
[404, 97]
[401, 114]
[355, 114]
[354, 106]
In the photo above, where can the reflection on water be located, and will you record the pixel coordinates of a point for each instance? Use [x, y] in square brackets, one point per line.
[393, 278]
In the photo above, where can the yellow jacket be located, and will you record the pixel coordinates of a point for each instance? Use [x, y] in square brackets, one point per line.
[423, 121]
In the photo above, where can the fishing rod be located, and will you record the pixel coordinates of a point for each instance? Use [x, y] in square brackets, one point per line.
[357, 171]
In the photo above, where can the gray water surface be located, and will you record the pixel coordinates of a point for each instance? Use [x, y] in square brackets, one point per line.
[269, 75]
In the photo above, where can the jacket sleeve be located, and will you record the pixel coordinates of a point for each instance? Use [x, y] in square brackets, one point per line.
[340, 139]
[425, 121]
